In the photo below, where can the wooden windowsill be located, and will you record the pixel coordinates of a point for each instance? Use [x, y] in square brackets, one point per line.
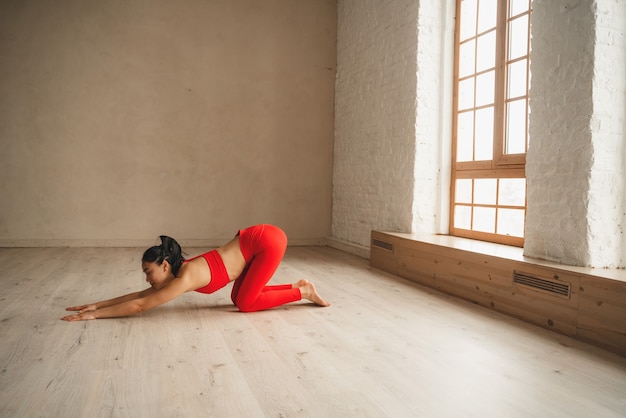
[508, 252]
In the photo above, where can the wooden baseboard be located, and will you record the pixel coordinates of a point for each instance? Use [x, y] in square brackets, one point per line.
[586, 304]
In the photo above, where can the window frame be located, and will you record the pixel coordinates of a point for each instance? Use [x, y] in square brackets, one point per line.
[502, 165]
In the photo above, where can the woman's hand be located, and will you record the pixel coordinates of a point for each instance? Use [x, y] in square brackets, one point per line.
[81, 316]
[83, 308]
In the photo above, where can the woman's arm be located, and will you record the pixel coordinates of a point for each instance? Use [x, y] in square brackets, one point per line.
[134, 303]
[111, 302]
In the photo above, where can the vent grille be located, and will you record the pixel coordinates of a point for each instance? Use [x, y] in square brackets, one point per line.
[548, 286]
[383, 245]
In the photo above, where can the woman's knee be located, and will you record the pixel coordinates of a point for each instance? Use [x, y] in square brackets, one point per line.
[245, 306]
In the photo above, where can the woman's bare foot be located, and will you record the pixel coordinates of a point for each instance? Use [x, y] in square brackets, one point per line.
[300, 284]
[307, 289]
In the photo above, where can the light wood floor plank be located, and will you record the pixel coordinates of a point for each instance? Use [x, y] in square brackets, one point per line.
[386, 347]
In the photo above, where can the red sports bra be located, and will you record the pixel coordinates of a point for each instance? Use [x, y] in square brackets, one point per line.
[219, 275]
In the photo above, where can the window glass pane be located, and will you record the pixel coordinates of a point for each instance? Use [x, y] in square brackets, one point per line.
[468, 19]
[485, 87]
[487, 12]
[511, 222]
[463, 217]
[517, 6]
[486, 52]
[485, 191]
[484, 134]
[516, 127]
[466, 58]
[466, 93]
[465, 137]
[518, 37]
[512, 192]
[484, 220]
[517, 79]
[463, 191]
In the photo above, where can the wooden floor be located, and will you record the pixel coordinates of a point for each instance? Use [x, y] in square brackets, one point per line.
[385, 348]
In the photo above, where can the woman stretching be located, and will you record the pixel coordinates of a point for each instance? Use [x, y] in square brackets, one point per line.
[250, 259]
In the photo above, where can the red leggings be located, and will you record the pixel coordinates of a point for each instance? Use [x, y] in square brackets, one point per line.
[263, 247]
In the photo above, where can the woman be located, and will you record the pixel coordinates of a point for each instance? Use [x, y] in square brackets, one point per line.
[250, 259]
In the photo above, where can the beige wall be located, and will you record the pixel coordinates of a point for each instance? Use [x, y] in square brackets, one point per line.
[122, 120]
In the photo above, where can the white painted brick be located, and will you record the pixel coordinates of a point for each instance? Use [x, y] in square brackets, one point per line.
[575, 162]
[375, 110]
[607, 202]
[435, 51]
[388, 125]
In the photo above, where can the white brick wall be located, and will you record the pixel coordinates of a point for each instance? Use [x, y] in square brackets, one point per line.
[559, 157]
[574, 166]
[378, 163]
[607, 202]
[375, 110]
[435, 63]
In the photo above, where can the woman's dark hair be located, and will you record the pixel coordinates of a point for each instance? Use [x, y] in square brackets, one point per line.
[168, 250]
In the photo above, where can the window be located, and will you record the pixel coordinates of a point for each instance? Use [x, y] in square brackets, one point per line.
[490, 124]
